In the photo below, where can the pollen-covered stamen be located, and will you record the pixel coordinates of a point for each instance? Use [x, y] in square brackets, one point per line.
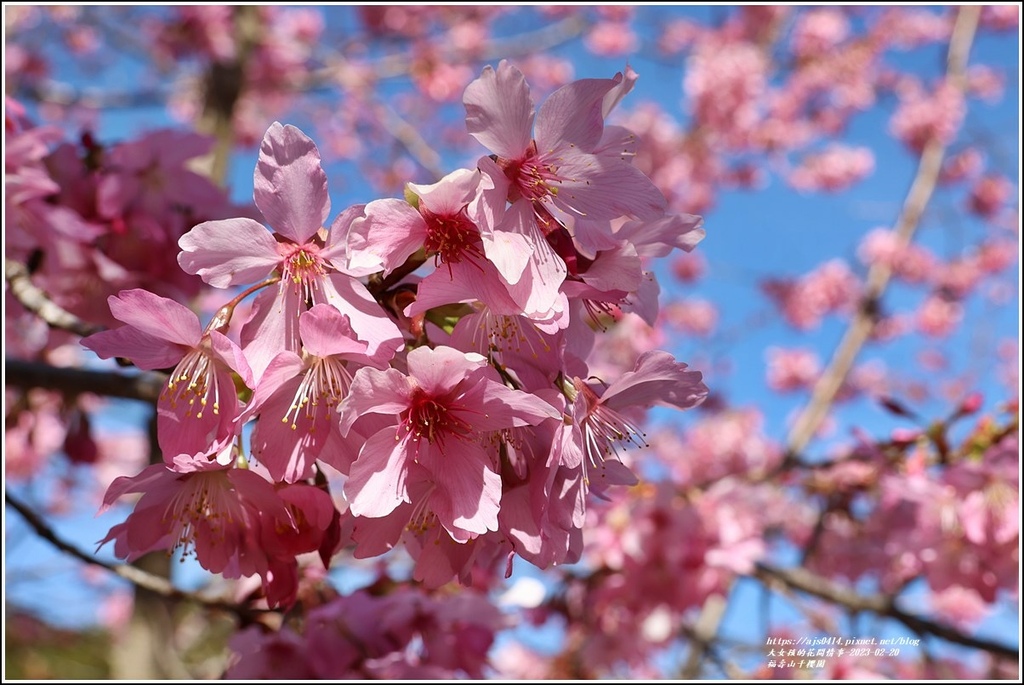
[194, 381]
[451, 237]
[603, 427]
[303, 270]
[433, 418]
[325, 384]
[202, 507]
[530, 177]
[505, 333]
[422, 518]
[597, 311]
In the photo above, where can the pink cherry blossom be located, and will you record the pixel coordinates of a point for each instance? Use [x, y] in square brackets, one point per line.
[198, 407]
[603, 419]
[565, 164]
[963, 164]
[610, 38]
[446, 407]
[210, 511]
[792, 369]
[804, 302]
[296, 400]
[694, 316]
[819, 31]
[938, 317]
[910, 262]
[924, 116]
[835, 168]
[290, 188]
[989, 195]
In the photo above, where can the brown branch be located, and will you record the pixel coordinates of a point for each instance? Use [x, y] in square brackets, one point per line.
[925, 180]
[223, 86]
[805, 581]
[824, 392]
[526, 43]
[410, 139]
[36, 301]
[136, 576]
[144, 386]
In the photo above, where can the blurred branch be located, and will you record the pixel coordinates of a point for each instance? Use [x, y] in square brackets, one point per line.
[526, 43]
[27, 374]
[410, 139]
[803, 580]
[137, 577]
[824, 392]
[921, 190]
[223, 86]
[36, 301]
[55, 92]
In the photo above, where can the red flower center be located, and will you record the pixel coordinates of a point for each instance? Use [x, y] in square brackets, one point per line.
[451, 237]
[432, 418]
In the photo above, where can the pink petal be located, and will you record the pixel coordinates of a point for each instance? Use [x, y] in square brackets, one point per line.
[230, 354]
[115, 192]
[390, 233]
[496, 406]
[289, 184]
[288, 453]
[467, 282]
[536, 292]
[573, 115]
[509, 252]
[450, 194]
[143, 481]
[273, 327]
[657, 238]
[440, 369]
[518, 522]
[603, 188]
[623, 86]
[145, 351]
[339, 244]
[282, 369]
[376, 483]
[374, 392]
[611, 472]
[369, 322]
[468, 490]
[157, 316]
[618, 269]
[499, 111]
[340, 453]
[229, 252]
[657, 378]
[375, 536]
[259, 493]
[325, 331]
[644, 302]
[195, 431]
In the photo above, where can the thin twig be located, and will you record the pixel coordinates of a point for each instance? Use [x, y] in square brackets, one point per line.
[144, 386]
[138, 577]
[805, 581]
[824, 392]
[410, 139]
[36, 301]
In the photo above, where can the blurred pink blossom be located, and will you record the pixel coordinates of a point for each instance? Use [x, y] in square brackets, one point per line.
[792, 369]
[937, 317]
[835, 168]
[611, 38]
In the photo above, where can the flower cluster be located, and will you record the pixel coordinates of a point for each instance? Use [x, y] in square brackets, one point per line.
[430, 353]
